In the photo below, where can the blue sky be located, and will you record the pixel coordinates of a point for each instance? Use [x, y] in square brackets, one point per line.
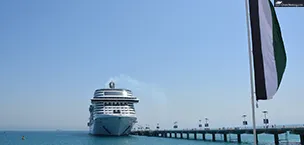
[185, 60]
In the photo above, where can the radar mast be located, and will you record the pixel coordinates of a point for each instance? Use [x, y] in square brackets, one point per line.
[112, 85]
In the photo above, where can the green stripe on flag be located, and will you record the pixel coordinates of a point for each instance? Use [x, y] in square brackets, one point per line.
[278, 44]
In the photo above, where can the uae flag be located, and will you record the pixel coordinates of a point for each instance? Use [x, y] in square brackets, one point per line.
[269, 54]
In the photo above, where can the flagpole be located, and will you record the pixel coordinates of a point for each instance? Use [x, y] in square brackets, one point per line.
[251, 76]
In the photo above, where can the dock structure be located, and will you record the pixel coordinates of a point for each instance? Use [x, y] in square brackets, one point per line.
[274, 131]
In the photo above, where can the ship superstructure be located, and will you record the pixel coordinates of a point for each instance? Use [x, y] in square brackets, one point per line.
[112, 111]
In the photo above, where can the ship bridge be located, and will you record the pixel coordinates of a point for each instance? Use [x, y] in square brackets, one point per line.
[116, 99]
[112, 94]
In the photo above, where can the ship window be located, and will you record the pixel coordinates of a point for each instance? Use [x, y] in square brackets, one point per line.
[113, 93]
[116, 111]
[98, 94]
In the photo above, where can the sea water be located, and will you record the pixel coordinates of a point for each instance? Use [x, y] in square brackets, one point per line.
[83, 138]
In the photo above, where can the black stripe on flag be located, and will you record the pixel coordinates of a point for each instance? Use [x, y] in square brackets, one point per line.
[260, 87]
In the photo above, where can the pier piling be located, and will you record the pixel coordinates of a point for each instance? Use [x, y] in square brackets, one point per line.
[225, 137]
[302, 139]
[276, 139]
[239, 138]
[204, 136]
[213, 136]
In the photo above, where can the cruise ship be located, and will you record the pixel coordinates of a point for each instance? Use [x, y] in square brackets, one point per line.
[112, 112]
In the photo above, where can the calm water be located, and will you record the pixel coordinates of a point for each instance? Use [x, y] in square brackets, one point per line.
[82, 138]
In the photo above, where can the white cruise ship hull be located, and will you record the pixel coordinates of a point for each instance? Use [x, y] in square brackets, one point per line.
[112, 125]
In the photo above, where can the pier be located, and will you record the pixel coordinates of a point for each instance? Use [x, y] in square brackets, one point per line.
[184, 134]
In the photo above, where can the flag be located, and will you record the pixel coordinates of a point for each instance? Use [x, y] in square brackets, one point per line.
[269, 56]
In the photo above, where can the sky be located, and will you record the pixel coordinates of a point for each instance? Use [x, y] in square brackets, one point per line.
[184, 60]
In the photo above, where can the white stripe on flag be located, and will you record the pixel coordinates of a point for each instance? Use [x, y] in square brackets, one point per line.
[271, 79]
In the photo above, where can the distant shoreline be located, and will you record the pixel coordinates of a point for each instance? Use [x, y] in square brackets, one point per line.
[43, 130]
[83, 130]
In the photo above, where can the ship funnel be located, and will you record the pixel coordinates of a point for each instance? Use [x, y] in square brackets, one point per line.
[112, 85]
